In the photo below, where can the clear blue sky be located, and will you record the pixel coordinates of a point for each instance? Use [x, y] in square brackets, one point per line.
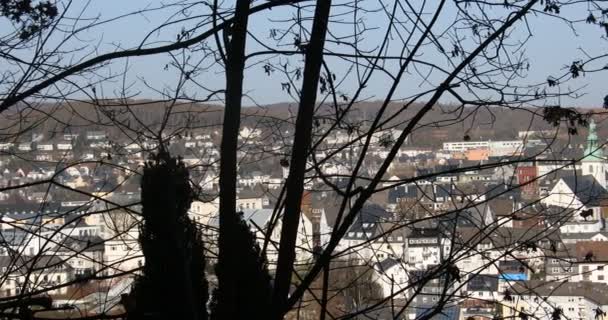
[551, 49]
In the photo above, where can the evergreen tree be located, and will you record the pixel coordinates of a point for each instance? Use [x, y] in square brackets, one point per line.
[253, 300]
[173, 283]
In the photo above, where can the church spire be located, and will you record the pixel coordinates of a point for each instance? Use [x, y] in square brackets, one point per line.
[593, 151]
[593, 161]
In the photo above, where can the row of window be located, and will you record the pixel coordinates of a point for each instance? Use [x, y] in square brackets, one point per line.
[249, 205]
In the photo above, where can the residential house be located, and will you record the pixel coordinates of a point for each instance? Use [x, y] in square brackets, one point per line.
[579, 193]
[83, 253]
[426, 247]
[33, 273]
[392, 276]
[96, 135]
[258, 221]
[481, 290]
[540, 299]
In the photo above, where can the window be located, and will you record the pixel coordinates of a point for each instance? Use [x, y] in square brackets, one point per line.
[600, 278]
[600, 268]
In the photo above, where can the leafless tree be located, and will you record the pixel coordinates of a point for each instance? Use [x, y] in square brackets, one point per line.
[444, 65]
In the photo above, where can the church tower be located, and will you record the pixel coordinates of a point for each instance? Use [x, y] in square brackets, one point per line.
[593, 162]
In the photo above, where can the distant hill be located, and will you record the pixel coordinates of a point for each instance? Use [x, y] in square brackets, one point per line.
[442, 123]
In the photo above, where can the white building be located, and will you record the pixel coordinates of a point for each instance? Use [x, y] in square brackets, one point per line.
[496, 147]
[33, 273]
[25, 146]
[44, 147]
[391, 274]
[577, 193]
[64, 145]
[83, 254]
[203, 211]
[426, 247]
[6, 145]
[250, 133]
[539, 300]
[259, 221]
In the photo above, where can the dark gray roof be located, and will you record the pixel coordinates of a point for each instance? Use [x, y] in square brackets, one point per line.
[255, 218]
[22, 210]
[468, 215]
[586, 189]
[14, 237]
[482, 282]
[373, 213]
[249, 193]
[511, 266]
[24, 264]
[330, 203]
[502, 191]
[369, 220]
[401, 192]
[80, 244]
[391, 231]
[447, 313]
[386, 264]
[418, 233]
[503, 237]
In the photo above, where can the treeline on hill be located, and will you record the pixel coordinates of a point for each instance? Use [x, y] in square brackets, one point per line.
[443, 123]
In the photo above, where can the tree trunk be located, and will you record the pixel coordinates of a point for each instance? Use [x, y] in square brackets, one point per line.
[229, 219]
[299, 154]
